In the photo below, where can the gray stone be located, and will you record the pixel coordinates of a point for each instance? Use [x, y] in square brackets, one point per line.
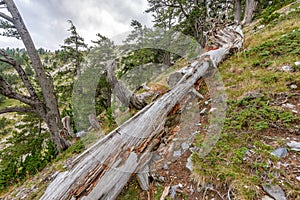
[293, 86]
[295, 146]
[274, 191]
[193, 149]
[280, 152]
[166, 166]
[192, 190]
[288, 105]
[173, 191]
[185, 146]
[286, 68]
[189, 164]
[177, 153]
[162, 179]
[81, 134]
[297, 63]
[203, 111]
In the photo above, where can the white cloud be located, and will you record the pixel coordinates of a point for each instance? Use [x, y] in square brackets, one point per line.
[47, 19]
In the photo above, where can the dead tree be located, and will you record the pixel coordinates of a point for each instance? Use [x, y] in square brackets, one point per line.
[103, 170]
[126, 96]
[66, 121]
[237, 10]
[94, 122]
[250, 8]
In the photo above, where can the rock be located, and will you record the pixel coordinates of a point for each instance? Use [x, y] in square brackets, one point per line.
[177, 153]
[286, 68]
[288, 105]
[166, 166]
[162, 179]
[189, 164]
[297, 63]
[260, 27]
[193, 149]
[185, 146]
[298, 178]
[212, 110]
[81, 134]
[192, 190]
[173, 191]
[295, 146]
[202, 112]
[274, 191]
[280, 152]
[266, 197]
[293, 86]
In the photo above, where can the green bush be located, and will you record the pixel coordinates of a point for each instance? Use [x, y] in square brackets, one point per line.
[27, 152]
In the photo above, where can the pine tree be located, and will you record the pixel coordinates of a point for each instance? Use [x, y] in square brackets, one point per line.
[73, 47]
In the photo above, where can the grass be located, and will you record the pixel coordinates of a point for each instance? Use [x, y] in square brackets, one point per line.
[258, 68]
[242, 159]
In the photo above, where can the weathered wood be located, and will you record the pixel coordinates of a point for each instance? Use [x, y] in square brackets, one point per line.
[104, 169]
[126, 96]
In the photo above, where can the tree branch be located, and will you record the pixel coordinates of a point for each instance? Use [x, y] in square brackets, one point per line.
[182, 9]
[8, 91]
[4, 16]
[20, 71]
[17, 109]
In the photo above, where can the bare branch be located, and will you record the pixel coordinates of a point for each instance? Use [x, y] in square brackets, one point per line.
[17, 109]
[8, 91]
[20, 71]
[8, 18]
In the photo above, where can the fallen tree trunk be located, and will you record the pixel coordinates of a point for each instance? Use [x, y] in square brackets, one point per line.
[103, 170]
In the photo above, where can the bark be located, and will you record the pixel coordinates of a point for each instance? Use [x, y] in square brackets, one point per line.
[250, 8]
[126, 96]
[104, 169]
[237, 11]
[49, 112]
[17, 109]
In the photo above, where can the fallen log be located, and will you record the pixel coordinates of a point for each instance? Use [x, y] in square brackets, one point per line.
[103, 170]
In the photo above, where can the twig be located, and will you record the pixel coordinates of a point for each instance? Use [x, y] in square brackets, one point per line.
[228, 193]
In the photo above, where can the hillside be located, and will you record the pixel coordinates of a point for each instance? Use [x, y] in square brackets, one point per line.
[257, 156]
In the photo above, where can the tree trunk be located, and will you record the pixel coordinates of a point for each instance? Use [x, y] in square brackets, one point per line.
[250, 8]
[52, 116]
[237, 11]
[126, 96]
[104, 169]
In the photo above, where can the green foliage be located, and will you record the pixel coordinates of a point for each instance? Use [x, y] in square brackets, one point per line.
[287, 45]
[4, 122]
[2, 98]
[241, 157]
[27, 152]
[256, 115]
[8, 29]
[266, 10]
[73, 47]
[131, 191]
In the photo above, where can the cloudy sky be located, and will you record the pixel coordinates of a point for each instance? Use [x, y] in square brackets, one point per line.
[47, 19]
